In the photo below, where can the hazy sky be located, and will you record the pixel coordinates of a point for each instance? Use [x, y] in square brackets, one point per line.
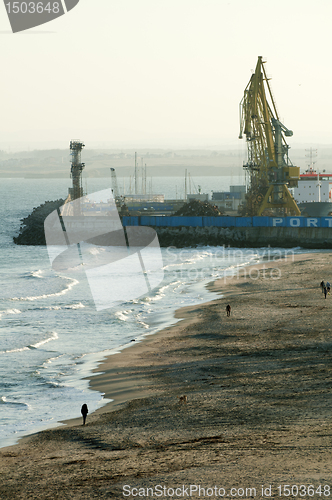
[167, 73]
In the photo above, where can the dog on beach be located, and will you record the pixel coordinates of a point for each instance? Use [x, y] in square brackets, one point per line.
[182, 399]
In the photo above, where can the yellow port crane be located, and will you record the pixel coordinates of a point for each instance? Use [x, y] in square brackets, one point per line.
[268, 165]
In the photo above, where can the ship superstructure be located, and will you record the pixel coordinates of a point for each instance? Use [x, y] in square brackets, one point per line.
[313, 186]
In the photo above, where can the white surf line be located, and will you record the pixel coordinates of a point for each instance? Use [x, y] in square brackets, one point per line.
[44, 296]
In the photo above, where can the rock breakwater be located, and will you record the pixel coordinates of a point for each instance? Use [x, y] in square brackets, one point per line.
[32, 227]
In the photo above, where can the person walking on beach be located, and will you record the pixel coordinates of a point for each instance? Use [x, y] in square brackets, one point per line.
[322, 284]
[328, 287]
[84, 411]
[325, 291]
[228, 310]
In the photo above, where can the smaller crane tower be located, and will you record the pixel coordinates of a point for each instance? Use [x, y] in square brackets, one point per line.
[115, 189]
[76, 192]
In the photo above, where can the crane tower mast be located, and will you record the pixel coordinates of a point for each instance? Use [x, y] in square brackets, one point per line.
[268, 165]
[76, 192]
[76, 169]
[115, 189]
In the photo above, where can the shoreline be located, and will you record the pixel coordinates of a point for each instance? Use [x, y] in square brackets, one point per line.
[124, 387]
[96, 359]
[259, 398]
[100, 377]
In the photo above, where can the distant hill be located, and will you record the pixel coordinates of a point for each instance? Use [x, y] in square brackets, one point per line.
[159, 162]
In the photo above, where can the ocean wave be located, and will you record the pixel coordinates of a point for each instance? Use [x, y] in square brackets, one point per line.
[121, 315]
[49, 360]
[4, 400]
[159, 294]
[141, 322]
[36, 274]
[18, 349]
[32, 274]
[10, 311]
[42, 342]
[75, 306]
[79, 305]
[54, 385]
[49, 308]
[31, 346]
[45, 296]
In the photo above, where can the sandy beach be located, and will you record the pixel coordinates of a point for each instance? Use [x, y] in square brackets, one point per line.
[258, 410]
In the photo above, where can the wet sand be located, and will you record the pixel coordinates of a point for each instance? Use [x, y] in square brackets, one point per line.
[258, 412]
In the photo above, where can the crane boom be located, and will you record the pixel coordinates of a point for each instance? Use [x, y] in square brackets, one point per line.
[115, 189]
[270, 170]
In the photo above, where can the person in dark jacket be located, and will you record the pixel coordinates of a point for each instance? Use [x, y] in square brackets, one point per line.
[228, 310]
[84, 411]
